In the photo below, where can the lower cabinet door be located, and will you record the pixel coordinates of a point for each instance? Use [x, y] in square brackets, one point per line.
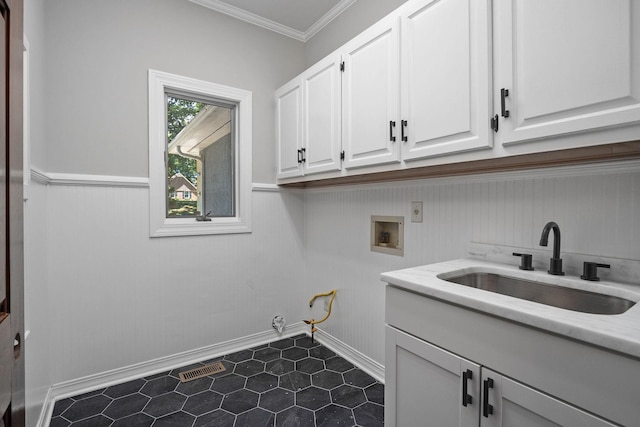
[509, 403]
[427, 386]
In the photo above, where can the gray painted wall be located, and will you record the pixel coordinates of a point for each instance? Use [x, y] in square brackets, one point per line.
[90, 107]
[97, 57]
[34, 29]
[358, 17]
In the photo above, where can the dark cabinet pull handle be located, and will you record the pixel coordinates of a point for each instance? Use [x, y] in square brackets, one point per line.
[503, 94]
[487, 409]
[494, 123]
[301, 155]
[466, 397]
[403, 124]
[392, 124]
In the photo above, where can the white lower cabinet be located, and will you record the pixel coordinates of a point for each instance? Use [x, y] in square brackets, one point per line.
[429, 386]
[424, 384]
[506, 402]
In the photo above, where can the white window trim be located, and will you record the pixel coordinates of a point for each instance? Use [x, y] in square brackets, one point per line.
[159, 224]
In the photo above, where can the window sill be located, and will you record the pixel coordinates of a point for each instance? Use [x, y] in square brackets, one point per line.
[191, 227]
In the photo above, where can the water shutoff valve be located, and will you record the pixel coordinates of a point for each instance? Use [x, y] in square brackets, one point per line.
[278, 323]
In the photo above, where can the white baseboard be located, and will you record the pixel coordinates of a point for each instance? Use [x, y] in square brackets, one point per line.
[45, 413]
[362, 361]
[105, 379]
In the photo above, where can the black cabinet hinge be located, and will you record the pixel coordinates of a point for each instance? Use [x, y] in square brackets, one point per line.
[342, 155]
[342, 66]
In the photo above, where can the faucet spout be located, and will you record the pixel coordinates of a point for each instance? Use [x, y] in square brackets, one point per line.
[555, 265]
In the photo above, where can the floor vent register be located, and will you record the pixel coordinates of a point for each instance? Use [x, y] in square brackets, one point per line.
[204, 371]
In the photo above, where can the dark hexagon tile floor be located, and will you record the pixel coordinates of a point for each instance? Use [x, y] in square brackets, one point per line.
[290, 382]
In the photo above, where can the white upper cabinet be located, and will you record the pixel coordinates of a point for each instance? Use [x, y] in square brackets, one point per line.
[321, 116]
[569, 66]
[370, 96]
[446, 77]
[444, 81]
[289, 129]
[308, 121]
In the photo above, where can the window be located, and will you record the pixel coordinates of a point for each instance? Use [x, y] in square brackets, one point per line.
[199, 157]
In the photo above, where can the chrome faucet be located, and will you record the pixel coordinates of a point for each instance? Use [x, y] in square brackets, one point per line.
[555, 263]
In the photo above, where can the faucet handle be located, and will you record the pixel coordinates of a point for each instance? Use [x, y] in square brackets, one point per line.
[525, 261]
[590, 271]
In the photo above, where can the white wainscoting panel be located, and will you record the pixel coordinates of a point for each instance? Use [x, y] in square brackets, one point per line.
[119, 298]
[38, 309]
[597, 208]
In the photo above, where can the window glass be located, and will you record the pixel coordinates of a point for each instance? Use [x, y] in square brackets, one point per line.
[200, 160]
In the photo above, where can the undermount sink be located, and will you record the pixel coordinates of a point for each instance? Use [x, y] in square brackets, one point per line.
[544, 293]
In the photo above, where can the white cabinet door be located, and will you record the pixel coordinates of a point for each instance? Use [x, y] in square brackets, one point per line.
[425, 384]
[321, 115]
[508, 403]
[569, 66]
[289, 129]
[371, 91]
[446, 77]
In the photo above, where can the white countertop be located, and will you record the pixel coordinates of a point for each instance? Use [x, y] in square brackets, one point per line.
[619, 332]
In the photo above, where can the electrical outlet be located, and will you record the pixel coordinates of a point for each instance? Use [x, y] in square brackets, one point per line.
[326, 305]
[416, 211]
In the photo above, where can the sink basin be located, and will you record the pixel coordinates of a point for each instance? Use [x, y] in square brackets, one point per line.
[544, 293]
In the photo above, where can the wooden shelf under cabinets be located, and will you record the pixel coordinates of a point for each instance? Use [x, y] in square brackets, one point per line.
[575, 156]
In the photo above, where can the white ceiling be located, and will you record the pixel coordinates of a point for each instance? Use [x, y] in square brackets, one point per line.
[299, 19]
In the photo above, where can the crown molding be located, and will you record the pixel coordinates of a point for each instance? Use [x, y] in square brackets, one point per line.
[327, 18]
[252, 18]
